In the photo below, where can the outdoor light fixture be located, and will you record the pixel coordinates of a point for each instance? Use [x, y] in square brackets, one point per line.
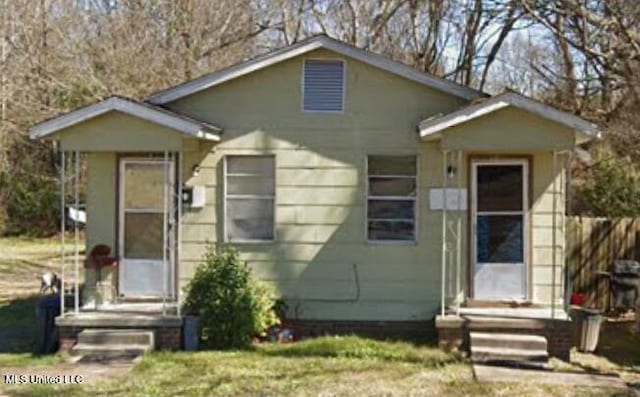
[195, 171]
[451, 171]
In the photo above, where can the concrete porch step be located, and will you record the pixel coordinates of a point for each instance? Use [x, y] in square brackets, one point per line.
[110, 351]
[113, 344]
[116, 337]
[505, 355]
[508, 341]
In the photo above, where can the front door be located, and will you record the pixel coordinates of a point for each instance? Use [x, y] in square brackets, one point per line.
[146, 190]
[499, 228]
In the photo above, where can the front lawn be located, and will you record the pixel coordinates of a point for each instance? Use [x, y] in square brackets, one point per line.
[329, 366]
[22, 262]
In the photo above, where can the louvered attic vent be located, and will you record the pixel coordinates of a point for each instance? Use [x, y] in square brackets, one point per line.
[323, 85]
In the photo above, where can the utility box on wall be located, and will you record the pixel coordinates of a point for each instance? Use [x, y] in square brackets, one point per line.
[193, 196]
[450, 198]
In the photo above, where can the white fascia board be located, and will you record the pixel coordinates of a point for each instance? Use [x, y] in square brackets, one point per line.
[215, 78]
[379, 61]
[122, 105]
[403, 70]
[559, 116]
[430, 128]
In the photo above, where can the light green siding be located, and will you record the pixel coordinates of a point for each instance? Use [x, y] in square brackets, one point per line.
[101, 199]
[510, 130]
[320, 189]
[541, 218]
[320, 259]
[102, 216]
[118, 132]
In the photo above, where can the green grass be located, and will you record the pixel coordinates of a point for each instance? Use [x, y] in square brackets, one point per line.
[22, 261]
[328, 366]
[356, 347]
[28, 359]
[340, 366]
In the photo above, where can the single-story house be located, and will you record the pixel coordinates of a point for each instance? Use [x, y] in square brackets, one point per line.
[375, 197]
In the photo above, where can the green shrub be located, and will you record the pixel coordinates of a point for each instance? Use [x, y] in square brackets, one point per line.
[612, 188]
[232, 306]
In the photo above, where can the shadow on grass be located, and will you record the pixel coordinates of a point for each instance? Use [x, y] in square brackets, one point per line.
[18, 325]
[619, 345]
[361, 348]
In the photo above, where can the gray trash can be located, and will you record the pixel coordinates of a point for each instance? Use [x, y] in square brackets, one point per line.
[191, 333]
[587, 326]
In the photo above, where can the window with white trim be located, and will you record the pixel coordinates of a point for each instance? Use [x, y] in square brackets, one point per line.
[249, 198]
[391, 198]
[323, 85]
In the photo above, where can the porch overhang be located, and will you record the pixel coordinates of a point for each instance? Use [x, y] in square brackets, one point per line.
[119, 123]
[563, 130]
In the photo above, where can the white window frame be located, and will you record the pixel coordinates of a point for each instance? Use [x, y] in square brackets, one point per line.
[226, 196]
[344, 85]
[415, 199]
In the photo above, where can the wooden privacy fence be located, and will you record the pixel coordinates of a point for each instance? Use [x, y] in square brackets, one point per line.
[592, 246]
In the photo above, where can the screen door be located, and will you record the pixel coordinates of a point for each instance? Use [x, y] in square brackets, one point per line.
[146, 187]
[499, 228]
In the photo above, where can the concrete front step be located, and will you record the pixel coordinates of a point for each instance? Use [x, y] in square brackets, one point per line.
[508, 341]
[507, 355]
[111, 351]
[116, 336]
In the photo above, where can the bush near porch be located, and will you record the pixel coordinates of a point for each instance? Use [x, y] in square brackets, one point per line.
[232, 306]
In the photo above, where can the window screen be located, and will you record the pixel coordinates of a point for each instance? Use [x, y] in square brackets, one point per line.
[323, 85]
[391, 200]
[249, 197]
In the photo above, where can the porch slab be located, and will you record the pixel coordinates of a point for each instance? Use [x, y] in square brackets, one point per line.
[149, 308]
[543, 313]
[118, 320]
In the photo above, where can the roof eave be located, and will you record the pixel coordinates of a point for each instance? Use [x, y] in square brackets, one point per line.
[188, 127]
[432, 128]
[398, 68]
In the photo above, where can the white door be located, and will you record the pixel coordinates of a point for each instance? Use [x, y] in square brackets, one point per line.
[499, 229]
[146, 187]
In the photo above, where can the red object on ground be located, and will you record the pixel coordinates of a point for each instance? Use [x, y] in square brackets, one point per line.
[578, 299]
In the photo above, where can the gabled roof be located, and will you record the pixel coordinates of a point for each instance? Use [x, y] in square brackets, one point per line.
[142, 110]
[431, 128]
[303, 47]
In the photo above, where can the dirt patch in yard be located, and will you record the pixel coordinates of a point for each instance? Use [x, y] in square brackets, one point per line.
[84, 373]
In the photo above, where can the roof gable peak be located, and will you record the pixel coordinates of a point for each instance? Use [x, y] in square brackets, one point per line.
[313, 43]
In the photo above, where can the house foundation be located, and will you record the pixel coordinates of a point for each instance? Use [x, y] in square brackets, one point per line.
[167, 329]
[453, 331]
[402, 330]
